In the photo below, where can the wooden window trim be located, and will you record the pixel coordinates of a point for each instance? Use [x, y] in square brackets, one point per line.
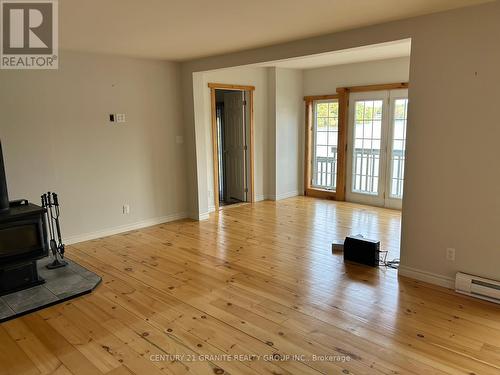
[215, 143]
[320, 97]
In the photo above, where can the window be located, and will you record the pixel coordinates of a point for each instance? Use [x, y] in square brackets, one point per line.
[325, 144]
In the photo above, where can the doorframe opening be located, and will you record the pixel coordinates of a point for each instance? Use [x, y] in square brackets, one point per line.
[215, 143]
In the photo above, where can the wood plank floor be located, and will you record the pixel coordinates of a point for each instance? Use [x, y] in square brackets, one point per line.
[257, 283]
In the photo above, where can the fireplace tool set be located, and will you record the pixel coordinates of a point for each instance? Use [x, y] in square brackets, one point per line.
[50, 202]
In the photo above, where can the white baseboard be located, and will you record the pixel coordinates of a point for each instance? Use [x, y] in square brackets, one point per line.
[211, 209]
[281, 196]
[124, 228]
[428, 277]
[203, 216]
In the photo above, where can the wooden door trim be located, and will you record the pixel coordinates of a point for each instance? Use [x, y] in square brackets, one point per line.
[215, 143]
[342, 155]
[377, 87]
[225, 86]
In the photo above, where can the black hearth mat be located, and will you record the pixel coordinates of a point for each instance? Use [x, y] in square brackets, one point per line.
[61, 284]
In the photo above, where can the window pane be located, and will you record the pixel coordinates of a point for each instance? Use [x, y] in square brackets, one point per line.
[321, 151]
[333, 124]
[333, 109]
[333, 138]
[322, 123]
[322, 138]
[322, 109]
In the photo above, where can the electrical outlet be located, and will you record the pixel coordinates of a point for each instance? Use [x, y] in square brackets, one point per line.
[450, 254]
[126, 209]
[120, 117]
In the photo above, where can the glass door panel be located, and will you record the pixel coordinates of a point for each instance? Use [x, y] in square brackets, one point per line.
[367, 143]
[397, 147]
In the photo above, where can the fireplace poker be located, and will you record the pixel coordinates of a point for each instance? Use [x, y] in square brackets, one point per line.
[50, 201]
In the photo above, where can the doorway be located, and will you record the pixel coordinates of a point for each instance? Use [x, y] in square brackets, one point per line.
[232, 130]
[376, 147]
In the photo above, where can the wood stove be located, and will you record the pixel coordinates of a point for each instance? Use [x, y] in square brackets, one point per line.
[23, 240]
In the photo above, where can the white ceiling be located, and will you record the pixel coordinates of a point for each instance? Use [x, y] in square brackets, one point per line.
[381, 51]
[186, 29]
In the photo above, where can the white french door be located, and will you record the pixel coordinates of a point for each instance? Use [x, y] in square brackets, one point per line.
[376, 147]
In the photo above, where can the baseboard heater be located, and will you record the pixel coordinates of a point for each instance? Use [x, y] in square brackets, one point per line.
[478, 287]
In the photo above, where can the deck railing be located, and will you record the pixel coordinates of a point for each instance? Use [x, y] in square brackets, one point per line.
[325, 168]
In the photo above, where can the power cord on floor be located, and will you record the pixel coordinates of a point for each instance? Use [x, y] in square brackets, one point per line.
[389, 263]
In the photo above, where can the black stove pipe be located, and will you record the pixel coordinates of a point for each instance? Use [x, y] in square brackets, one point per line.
[4, 195]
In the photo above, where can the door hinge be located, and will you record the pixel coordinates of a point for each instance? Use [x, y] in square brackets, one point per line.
[246, 190]
[244, 102]
[245, 148]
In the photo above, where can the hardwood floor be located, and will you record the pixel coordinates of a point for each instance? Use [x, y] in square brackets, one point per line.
[256, 281]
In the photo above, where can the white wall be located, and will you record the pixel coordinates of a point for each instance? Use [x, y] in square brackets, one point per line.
[56, 136]
[289, 113]
[451, 185]
[326, 80]
[202, 112]
[271, 134]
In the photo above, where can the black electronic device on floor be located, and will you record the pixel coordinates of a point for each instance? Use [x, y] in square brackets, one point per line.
[362, 250]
